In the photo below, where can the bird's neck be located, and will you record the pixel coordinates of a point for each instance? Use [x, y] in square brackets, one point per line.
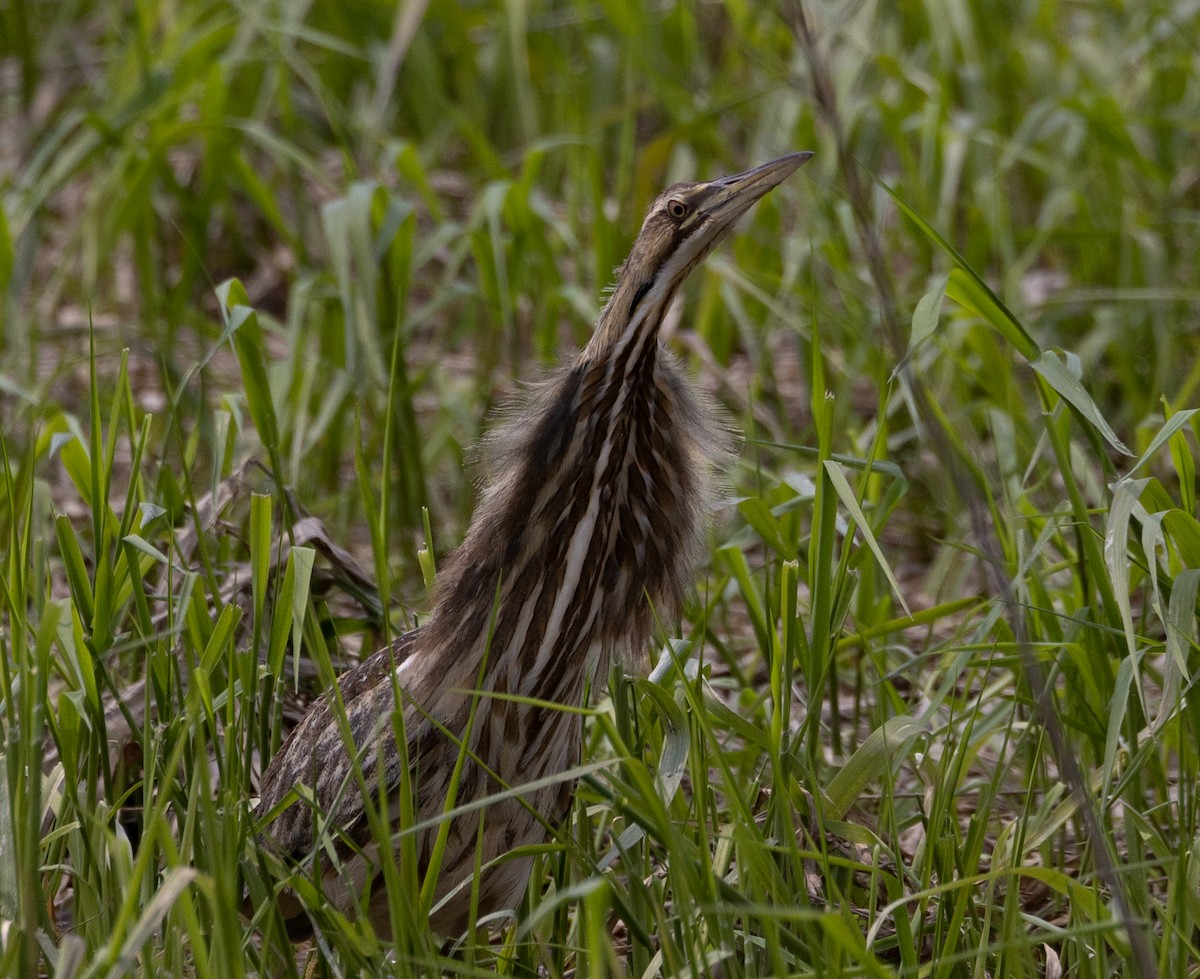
[630, 320]
[590, 525]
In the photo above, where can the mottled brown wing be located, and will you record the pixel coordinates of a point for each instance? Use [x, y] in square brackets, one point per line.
[315, 755]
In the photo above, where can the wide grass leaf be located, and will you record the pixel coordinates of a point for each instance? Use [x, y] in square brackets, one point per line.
[888, 744]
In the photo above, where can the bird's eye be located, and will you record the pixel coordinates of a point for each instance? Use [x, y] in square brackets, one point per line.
[676, 209]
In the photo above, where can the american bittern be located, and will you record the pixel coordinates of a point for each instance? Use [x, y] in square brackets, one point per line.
[590, 524]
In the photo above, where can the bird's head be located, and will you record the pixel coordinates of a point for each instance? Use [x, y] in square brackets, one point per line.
[682, 226]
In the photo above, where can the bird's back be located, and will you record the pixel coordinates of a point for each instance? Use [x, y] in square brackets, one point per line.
[588, 532]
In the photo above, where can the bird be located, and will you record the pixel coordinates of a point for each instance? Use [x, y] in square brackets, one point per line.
[588, 530]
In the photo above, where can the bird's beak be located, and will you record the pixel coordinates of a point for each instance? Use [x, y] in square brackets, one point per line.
[734, 195]
[768, 175]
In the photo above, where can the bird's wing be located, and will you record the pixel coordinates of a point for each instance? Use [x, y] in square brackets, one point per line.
[315, 754]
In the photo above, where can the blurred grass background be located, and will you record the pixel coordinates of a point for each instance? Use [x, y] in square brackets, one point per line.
[422, 204]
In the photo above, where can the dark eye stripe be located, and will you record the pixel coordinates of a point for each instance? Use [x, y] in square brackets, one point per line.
[685, 231]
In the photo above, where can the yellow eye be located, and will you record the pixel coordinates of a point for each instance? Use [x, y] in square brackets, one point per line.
[676, 209]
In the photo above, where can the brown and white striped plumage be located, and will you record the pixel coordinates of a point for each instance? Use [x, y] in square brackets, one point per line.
[590, 525]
